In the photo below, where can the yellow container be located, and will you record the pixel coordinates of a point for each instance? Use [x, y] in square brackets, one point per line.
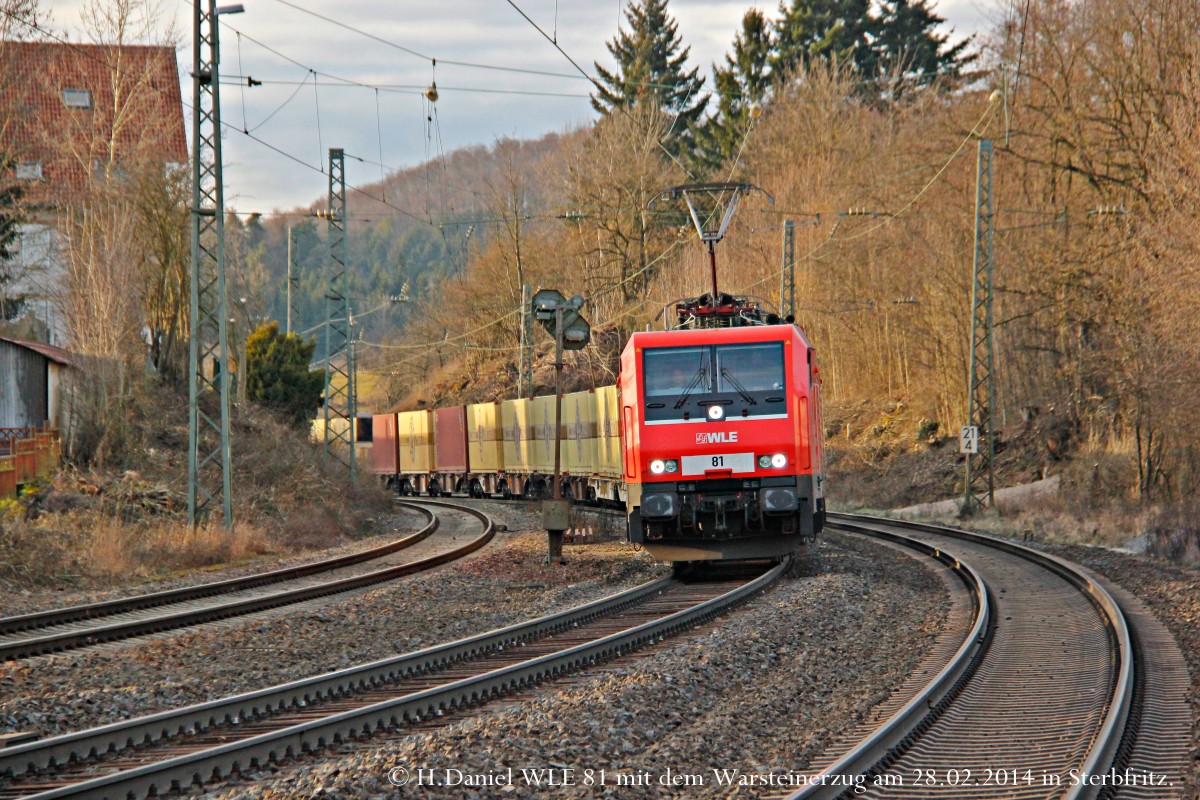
[485, 440]
[579, 433]
[608, 435]
[414, 429]
[541, 419]
[339, 428]
[518, 438]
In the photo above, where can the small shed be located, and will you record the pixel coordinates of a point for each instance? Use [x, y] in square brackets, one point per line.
[32, 380]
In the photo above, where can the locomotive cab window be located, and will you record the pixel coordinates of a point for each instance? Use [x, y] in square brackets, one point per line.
[750, 367]
[672, 371]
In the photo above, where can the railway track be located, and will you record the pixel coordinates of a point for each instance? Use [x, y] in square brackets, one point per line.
[151, 755]
[87, 625]
[1058, 678]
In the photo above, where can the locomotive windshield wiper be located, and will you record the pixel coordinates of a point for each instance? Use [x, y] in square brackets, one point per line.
[700, 375]
[740, 389]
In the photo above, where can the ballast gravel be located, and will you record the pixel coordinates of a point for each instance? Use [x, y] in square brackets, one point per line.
[505, 583]
[1172, 592]
[760, 692]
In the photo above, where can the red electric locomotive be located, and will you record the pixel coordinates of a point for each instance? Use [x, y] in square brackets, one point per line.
[721, 421]
[721, 430]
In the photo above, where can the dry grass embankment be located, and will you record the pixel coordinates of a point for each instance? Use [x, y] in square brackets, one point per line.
[127, 520]
[879, 461]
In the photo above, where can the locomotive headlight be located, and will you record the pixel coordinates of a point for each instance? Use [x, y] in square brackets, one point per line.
[715, 412]
[672, 465]
[658, 466]
[779, 461]
[764, 461]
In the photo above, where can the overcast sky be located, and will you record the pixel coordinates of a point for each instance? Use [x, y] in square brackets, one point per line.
[471, 109]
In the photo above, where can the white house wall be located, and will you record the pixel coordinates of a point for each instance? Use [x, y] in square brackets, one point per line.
[40, 275]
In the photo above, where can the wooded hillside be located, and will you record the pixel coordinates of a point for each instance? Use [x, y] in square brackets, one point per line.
[867, 136]
[1093, 111]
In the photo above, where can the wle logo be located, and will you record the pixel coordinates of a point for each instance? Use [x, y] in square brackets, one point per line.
[717, 437]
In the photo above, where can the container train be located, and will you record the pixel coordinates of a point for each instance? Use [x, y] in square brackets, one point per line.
[712, 436]
[503, 449]
[712, 439]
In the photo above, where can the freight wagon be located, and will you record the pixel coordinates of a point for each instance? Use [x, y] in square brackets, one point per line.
[504, 449]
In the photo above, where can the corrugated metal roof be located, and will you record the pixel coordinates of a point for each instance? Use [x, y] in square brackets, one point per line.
[55, 354]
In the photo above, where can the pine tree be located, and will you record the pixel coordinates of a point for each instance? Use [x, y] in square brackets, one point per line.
[908, 46]
[652, 68]
[838, 30]
[890, 50]
[277, 373]
[740, 86]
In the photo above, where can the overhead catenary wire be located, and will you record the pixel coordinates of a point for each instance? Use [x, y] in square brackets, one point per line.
[975, 131]
[320, 142]
[449, 339]
[312, 73]
[654, 261]
[412, 52]
[980, 126]
[397, 88]
[300, 85]
[379, 140]
[226, 128]
[280, 54]
[243, 88]
[594, 82]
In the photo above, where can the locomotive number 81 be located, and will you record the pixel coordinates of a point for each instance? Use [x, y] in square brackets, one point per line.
[721, 432]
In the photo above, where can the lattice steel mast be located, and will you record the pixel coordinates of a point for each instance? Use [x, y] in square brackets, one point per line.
[293, 282]
[209, 479]
[787, 284]
[340, 412]
[981, 391]
[525, 377]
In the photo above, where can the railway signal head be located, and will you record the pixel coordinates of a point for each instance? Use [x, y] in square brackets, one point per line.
[576, 331]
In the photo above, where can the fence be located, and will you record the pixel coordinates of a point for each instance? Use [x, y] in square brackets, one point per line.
[27, 455]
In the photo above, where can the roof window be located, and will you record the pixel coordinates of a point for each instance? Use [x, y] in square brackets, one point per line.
[77, 98]
[29, 170]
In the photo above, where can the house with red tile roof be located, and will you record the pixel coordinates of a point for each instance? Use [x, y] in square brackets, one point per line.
[78, 111]
[74, 115]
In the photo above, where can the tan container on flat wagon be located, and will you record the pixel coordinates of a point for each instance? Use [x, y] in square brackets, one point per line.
[339, 429]
[608, 435]
[414, 430]
[541, 417]
[518, 438]
[485, 440]
[579, 433]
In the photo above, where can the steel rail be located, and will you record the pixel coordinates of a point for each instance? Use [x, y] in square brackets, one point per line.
[218, 762]
[124, 630]
[59, 616]
[18, 760]
[944, 685]
[891, 736]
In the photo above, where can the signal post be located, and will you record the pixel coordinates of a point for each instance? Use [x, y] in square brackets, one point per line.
[562, 320]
